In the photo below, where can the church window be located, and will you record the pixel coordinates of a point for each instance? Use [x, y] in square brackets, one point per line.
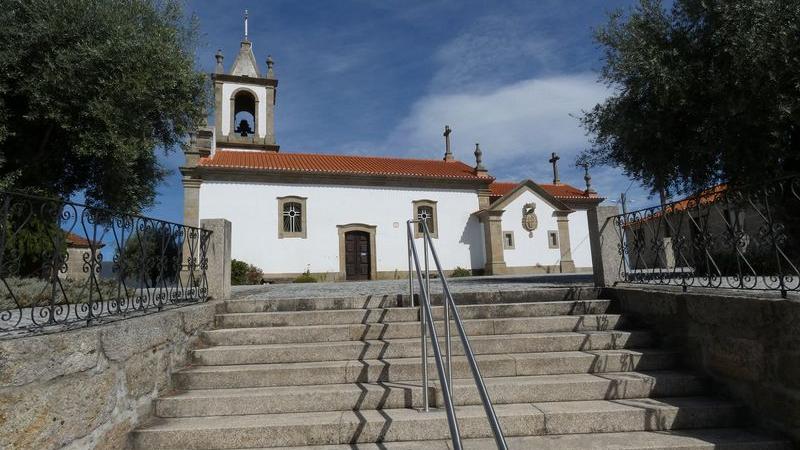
[552, 239]
[426, 210]
[292, 217]
[508, 240]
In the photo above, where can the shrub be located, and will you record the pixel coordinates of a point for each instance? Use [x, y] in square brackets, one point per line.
[305, 278]
[459, 272]
[244, 273]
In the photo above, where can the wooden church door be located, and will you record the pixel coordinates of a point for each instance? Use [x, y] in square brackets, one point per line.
[357, 255]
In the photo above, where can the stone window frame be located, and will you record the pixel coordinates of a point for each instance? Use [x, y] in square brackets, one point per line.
[506, 245]
[232, 111]
[303, 233]
[551, 242]
[431, 204]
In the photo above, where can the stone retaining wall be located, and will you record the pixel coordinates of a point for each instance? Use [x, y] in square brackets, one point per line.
[750, 347]
[87, 388]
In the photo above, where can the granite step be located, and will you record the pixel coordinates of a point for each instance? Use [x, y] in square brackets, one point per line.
[259, 302]
[389, 425]
[399, 330]
[409, 348]
[702, 439]
[364, 396]
[408, 369]
[385, 315]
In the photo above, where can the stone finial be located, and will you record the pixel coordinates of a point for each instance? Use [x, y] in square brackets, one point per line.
[219, 57]
[245, 24]
[448, 155]
[554, 161]
[479, 168]
[588, 179]
[270, 64]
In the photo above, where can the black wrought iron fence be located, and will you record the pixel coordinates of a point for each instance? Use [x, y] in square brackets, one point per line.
[64, 264]
[721, 238]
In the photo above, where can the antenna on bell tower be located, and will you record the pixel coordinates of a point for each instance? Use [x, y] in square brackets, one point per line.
[245, 24]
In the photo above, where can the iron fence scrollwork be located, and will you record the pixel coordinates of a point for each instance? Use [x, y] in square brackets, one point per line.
[64, 264]
[724, 237]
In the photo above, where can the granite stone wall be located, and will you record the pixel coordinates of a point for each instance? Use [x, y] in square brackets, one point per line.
[87, 388]
[750, 347]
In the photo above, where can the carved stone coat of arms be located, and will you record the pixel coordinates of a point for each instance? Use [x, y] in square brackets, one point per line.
[529, 220]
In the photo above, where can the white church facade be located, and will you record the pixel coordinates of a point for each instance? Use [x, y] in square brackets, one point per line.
[344, 217]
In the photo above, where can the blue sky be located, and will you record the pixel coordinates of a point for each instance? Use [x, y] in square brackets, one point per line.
[384, 77]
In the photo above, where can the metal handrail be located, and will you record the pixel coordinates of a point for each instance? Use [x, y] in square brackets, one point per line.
[426, 318]
[449, 304]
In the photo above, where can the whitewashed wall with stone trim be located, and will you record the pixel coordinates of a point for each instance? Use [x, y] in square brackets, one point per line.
[579, 239]
[88, 388]
[530, 250]
[253, 210]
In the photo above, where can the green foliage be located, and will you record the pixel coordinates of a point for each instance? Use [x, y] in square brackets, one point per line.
[459, 272]
[152, 253]
[706, 91]
[305, 278]
[243, 273]
[88, 90]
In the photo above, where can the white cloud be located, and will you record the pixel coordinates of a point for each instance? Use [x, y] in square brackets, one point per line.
[515, 123]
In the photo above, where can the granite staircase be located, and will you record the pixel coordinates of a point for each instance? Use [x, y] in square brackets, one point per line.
[345, 374]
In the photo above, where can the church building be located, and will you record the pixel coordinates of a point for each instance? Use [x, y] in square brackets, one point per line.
[344, 217]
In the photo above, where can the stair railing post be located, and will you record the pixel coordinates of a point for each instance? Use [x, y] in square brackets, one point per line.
[448, 339]
[422, 322]
[410, 281]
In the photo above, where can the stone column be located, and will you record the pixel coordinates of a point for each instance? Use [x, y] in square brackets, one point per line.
[605, 243]
[567, 264]
[493, 242]
[219, 258]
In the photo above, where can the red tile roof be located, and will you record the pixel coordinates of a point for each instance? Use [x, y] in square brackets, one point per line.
[73, 240]
[501, 188]
[341, 164]
[559, 191]
[565, 191]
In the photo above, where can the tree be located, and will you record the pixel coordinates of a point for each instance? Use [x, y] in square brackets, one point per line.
[152, 254]
[705, 92]
[88, 90]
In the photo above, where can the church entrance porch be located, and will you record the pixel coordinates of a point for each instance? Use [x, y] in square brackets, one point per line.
[357, 252]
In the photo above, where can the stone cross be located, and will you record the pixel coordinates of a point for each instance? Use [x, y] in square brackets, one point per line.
[448, 155]
[554, 161]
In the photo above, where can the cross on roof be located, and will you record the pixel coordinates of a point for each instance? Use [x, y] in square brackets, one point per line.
[554, 161]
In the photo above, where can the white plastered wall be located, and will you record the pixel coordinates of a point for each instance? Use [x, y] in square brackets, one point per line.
[252, 209]
[579, 239]
[261, 108]
[530, 248]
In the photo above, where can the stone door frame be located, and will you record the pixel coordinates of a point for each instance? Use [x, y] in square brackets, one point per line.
[371, 231]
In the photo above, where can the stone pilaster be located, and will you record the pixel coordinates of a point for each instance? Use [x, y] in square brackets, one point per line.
[484, 198]
[567, 264]
[219, 258]
[191, 201]
[493, 241]
[605, 242]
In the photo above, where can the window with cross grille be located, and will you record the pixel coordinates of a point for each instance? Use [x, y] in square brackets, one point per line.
[292, 220]
[426, 210]
[292, 215]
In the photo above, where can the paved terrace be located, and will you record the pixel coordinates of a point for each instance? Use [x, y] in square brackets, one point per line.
[498, 283]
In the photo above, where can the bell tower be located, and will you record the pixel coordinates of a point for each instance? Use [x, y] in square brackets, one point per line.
[244, 100]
